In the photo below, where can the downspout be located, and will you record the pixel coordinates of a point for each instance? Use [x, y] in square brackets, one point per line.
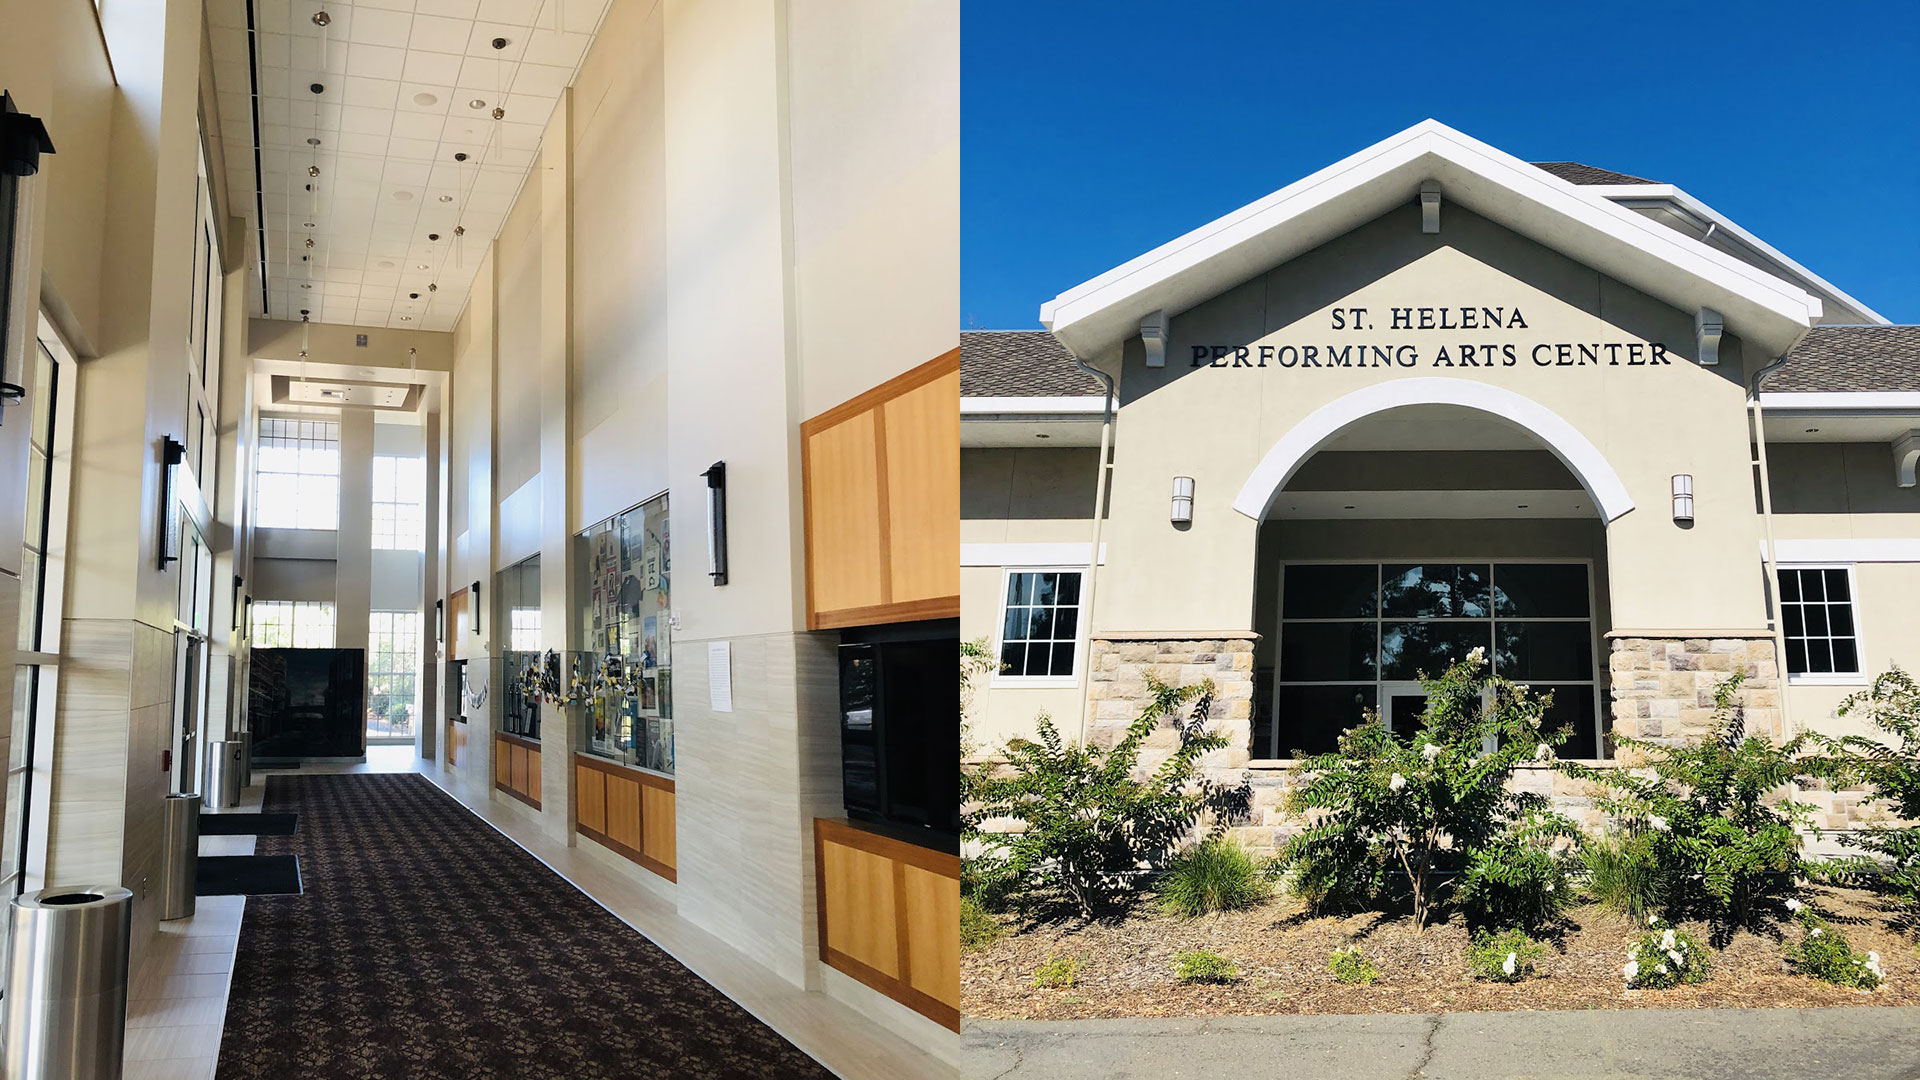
[1769, 561]
[1099, 519]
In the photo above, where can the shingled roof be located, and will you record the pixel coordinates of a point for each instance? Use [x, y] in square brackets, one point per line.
[1020, 363]
[1851, 359]
[1574, 172]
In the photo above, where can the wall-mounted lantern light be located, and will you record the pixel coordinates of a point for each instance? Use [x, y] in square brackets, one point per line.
[1182, 513]
[440, 622]
[476, 608]
[172, 455]
[717, 522]
[1683, 498]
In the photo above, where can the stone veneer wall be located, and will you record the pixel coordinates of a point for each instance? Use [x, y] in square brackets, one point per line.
[1662, 688]
[1118, 691]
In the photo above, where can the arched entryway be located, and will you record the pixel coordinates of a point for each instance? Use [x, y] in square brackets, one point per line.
[1404, 525]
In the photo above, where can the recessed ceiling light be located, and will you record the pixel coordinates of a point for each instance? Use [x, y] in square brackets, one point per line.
[311, 141]
[476, 103]
[425, 266]
[306, 224]
[446, 198]
[403, 196]
[424, 98]
[406, 318]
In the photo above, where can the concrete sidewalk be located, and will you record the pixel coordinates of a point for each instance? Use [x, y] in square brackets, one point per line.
[1866, 1043]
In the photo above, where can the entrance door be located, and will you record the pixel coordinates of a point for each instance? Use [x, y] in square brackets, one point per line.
[1401, 705]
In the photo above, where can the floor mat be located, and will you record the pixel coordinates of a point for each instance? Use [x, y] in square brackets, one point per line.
[429, 946]
[247, 824]
[247, 875]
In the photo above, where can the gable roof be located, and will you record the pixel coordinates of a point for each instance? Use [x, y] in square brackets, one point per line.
[1581, 224]
[1020, 363]
[1851, 359]
[1574, 172]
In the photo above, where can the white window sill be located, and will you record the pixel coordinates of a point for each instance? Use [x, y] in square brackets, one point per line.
[1857, 679]
[1034, 682]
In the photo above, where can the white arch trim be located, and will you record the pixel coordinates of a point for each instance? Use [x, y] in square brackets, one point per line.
[1314, 432]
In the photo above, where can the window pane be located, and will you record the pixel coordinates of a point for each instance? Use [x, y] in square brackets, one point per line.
[1409, 649]
[1846, 657]
[1039, 624]
[1330, 591]
[1327, 652]
[1815, 616]
[1789, 585]
[1810, 588]
[1311, 718]
[1045, 587]
[1544, 651]
[1069, 589]
[1540, 590]
[1434, 591]
[1791, 619]
[1066, 620]
[1062, 658]
[1013, 659]
[1796, 656]
[1836, 582]
[1840, 620]
[1819, 657]
[1572, 708]
[1018, 587]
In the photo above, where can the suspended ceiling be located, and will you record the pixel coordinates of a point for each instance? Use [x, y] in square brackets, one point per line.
[399, 81]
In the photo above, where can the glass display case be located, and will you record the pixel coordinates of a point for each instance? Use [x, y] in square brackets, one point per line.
[518, 591]
[626, 671]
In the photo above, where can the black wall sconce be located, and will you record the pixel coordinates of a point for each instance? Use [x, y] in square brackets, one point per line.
[476, 609]
[171, 455]
[440, 622]
[717, 522]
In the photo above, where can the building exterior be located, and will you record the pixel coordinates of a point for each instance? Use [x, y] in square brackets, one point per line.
[1428, 399]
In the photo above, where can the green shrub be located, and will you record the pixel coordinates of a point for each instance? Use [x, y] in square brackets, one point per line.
[1090, 825]
[1622, 874]
[1056, 973]
[1823, 953]
[1719, 847]
[1665, 957]
[1416, 811]
[1214, 875]
[1204, 966]
[1352, 967]
[978, 927]
[1507, 956]
[1889, 766]
[1517, 879]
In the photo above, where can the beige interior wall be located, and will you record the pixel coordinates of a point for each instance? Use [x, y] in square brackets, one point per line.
[517, 370]
[1648, 422]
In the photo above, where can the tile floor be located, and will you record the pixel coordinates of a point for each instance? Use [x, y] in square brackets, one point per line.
[177, 1001]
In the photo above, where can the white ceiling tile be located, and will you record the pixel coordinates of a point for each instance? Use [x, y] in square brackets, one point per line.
[582, 16]
[436, 68]
[436, 33]
[271, 50]
[371, 93]
[531, 108]
[406, 173]
[416, 126]
[561, 50]
[541, 80]
[311, 54]
[387, 5]
[376, 61]
[358, 169]
[267, 18]
[489, 76]
[521, 136]
[377, 27]
[514, 12]
[413, 149]
[274, 111]
[353, 142]
[274, 82]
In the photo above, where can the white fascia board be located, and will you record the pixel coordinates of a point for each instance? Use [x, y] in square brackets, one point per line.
[1040, 554]
[1679, 197]
[1880, 402]
[1846, 550]
[1103, 312]
[1028, 407]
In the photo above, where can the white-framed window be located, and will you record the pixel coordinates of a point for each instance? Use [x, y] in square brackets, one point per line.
[297, 474]
[1040, 624]
[292, 624]
[399, 502]
[1817, 620]
[393, 673]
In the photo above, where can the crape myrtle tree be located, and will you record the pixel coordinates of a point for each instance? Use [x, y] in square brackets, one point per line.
[1077, 824]
[1430, 809]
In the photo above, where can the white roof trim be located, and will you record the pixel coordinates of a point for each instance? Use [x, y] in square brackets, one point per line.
[1306, 438]
[1030, 406]
[1707, 213]
[1881, 401]
[1846, 550]
[1630, 247]
[1034, 554]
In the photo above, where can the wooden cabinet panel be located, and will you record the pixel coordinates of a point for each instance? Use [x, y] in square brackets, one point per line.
[890, 916]
[533, 774]
[503, 763]
[591, 810]
[845, 557]
[516, 768]
[858, 894]
[933, 938]
[657, 824]
[623, 811]
[923, 491]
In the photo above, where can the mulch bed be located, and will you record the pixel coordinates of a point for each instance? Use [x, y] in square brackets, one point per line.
[1126, 966]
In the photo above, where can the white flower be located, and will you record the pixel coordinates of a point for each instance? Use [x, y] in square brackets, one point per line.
[1476, 656]
[1632, 970]
[1678, 960]
[1660, 969]
[1542, 752]
[1549, 886]
[1794, 905]
[1430, 751]
[1509, 965]
[1653, 920]
[1397, 782]
[1666, 939]
[1813, 933]
[1634, 949]
[1656, 823]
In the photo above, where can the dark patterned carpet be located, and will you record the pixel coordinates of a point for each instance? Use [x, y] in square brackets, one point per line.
[428, 946]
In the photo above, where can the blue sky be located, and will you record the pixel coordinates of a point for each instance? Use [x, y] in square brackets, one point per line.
[1094, 131]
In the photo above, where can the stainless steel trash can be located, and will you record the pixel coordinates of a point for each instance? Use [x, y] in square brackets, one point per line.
[223, 775]
[66, 1000]
[179, 855]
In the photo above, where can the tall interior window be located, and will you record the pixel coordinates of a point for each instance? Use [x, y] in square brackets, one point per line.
[1040, 624]
[399, 502]
[1356, 637]
[293, 624]
[1816, 610]
[393, 673]
[297, 478]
